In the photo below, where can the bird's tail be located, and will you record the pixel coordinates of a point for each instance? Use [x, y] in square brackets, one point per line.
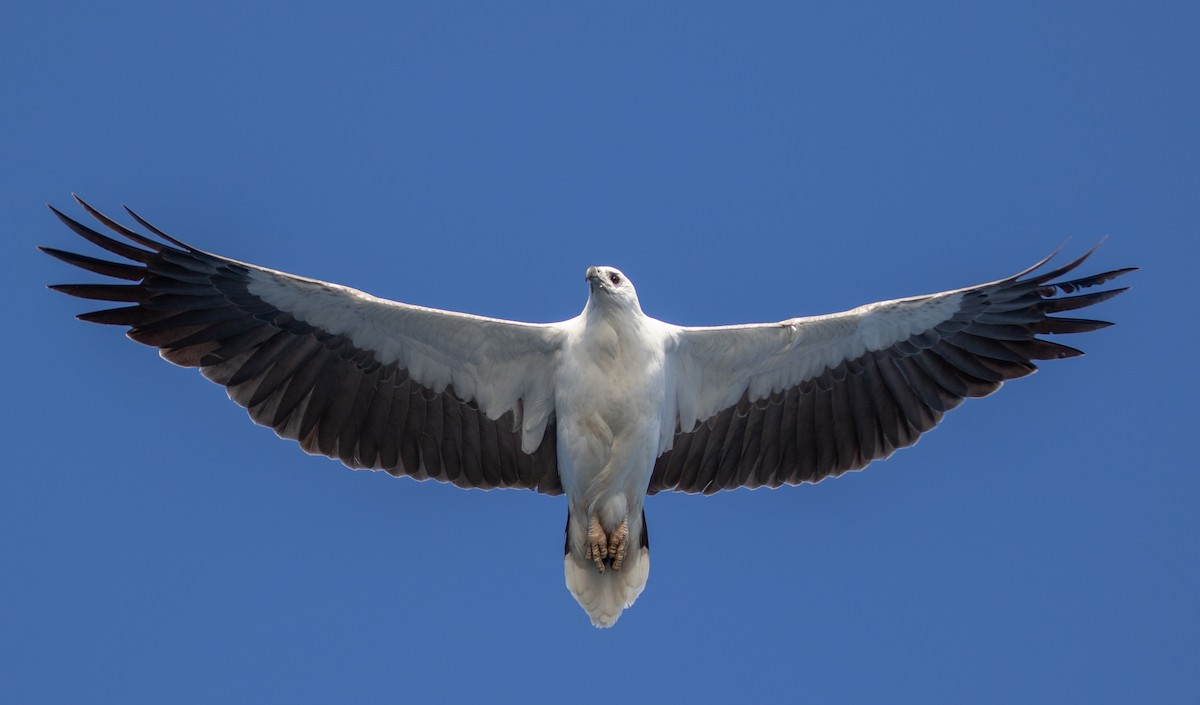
[604, 596]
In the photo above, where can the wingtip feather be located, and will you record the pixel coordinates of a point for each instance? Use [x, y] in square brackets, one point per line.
[146, 224]
[1039, 264]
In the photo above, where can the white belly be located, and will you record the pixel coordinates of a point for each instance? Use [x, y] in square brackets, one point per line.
[609, 401]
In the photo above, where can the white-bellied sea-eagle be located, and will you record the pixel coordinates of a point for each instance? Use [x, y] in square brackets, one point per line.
[606, 408]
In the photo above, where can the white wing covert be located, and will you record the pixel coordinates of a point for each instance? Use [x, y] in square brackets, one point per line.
[808, 398]
[374, 383]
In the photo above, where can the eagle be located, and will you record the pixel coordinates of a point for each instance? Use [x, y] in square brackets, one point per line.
[606, 408]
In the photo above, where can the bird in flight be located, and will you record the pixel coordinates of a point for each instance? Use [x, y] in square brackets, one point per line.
[607, 407]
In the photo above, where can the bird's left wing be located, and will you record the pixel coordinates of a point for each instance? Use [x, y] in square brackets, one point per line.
[807, 398]
[374, 383]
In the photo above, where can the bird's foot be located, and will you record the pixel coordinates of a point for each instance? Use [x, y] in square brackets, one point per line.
[597, 547]
[616, 544]
[607, 549]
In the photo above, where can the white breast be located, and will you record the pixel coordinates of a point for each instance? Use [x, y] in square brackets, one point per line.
[610, 389]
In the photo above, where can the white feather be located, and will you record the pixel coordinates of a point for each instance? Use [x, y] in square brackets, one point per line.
[500, 365]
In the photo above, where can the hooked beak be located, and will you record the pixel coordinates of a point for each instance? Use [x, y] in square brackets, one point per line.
[594, 278]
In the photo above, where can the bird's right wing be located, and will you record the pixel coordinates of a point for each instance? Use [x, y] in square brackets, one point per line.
[374, 383]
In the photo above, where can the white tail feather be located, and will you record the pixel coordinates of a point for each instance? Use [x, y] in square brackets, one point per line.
[605, 595]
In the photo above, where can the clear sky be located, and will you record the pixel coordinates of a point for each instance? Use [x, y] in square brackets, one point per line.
[740, 162]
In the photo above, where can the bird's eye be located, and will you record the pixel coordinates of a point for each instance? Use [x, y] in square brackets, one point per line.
[615, 279]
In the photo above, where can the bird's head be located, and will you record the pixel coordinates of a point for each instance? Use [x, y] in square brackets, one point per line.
[611, 288]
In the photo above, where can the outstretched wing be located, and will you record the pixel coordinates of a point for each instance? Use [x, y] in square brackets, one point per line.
[374, 383]
[804, 399]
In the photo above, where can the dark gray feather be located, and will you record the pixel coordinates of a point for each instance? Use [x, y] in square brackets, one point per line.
[859, 410]
[307, 384]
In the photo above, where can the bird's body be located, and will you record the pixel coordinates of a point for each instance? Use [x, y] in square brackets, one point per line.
[611, 385]
[606, 408]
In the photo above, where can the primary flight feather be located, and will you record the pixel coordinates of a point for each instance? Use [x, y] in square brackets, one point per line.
[606, 408]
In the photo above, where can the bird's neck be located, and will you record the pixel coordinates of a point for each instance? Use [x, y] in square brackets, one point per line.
[618, 314]
[611, 333]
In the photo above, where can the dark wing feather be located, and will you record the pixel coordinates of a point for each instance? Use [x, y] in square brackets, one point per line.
[306, 383]
[863, 409]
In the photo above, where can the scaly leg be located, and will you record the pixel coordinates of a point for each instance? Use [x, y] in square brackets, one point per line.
[597, 548]
[617, 543]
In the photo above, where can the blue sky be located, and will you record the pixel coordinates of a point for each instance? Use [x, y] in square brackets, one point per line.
[740, 162]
